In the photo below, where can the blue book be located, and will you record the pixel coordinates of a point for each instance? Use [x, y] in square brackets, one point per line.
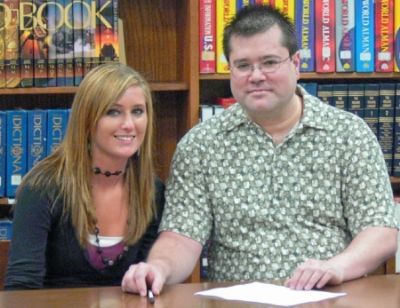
[365, 36]
[37, 134]
[16, 150]
[345, 36]
[371, 111]
[242, 3]
[340, 96]
[356, 100]
[325, 93]
[310, 87]
[305, 25]
[3, 144]
[386, 121]
[396, 137]
[57, 120]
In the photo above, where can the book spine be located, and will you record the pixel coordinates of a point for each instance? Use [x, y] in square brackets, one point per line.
[59, 43]
[325, 93]
[356, 102]
[310, 87]
[25, 41]
[97, 40]
[340, 95]
[386, 121]
[2, 46]
[78, 41]
[226, 9]
[53, 24]
[396, 142]
[287, 7]
[40, 51]
[371, 112]
[241, 3]
[57, 120]
[325, 36]
[207, 36]
[107, 50]
[12, 63]
[397, 36]
[305, 27]
[365, 36]
[384, 28]
[69, 43]
[88, 35]
[115, 31]
[37, 133]
[16, 150]
[3, 145]
[345, 38]
[264, 2]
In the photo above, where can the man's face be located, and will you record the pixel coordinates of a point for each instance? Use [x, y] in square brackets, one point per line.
[263, 76]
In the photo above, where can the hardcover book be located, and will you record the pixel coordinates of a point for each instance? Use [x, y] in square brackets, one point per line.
[108, 51]
[384, 28]
[53, 22]
[16, 150]
[26, 41]
[3, 145]
[356, 101]
[371, 112]
[365, 36]
[207, 36]
[287, 7]
[325, 36]
[325, 93]
[59, 41]
[37, 133]
[88, 36]
[345, 35]
[2, 48]
[396, 137]
[57, 121]
[226, 9]
[77, 9]
[397, 36]
[11, 41]
[305, 28]
[40, 49]
[69, 43]
[340, 96]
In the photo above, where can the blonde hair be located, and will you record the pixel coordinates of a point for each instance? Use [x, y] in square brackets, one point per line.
[70, 167]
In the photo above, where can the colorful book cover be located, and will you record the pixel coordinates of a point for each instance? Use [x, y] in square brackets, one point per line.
[242, 3]
[384, 37]
[108, 52]
[397, 36]
[116, 44]
[3, 145]
[264, 2]
[53, 21]
[77, 8]
[26, 38]
[345, 35]
[88, 37]
[40, 49]
[356, 101]
[2, 48]
[387, 93]
[69, 43]
[325, 94]
[226, 9]
[207, 36]
[340, 96]
[286, 6]
[365, 36]
[59, 42]
[57, 121]
[11, 40]
[396, 142]
[305, 28]
[16, 150]
[37, 133]
[97, 38]
[371, 112]
[325, 36]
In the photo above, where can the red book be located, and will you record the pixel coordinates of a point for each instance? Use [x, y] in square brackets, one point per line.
[325, 36]
[226, 102]
[384, 35]
[207, 36]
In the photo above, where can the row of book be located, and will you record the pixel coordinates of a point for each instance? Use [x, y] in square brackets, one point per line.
[55, 43]
[26, 137]
[333, 35]
[377, 103]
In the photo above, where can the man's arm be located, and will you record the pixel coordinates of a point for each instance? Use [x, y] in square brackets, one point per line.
[171, 260]
[365, 253]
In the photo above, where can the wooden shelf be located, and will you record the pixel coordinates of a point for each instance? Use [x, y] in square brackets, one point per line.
[320, 76]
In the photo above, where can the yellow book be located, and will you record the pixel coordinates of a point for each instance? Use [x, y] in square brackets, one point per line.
[226, 9]
[286, 6]
[397, 36]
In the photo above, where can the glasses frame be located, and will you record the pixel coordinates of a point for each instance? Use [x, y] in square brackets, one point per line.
[253, 67]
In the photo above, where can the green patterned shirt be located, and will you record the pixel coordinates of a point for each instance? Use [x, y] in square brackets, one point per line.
[266, 207]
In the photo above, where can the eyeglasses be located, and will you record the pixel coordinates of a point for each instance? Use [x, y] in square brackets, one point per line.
[244, 69]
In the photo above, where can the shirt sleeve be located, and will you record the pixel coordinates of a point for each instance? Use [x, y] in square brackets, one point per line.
[188, 210]
[31, 225]
[367, 193]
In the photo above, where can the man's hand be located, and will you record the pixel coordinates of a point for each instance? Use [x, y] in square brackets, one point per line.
[142, 276]
[315, 273]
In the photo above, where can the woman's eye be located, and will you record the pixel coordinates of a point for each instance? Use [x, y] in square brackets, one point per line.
[113, 112]
[138, 111]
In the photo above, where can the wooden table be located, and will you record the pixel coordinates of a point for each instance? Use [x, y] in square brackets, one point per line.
[373, 291]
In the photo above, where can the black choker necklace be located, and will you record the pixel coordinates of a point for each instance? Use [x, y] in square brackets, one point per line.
[106, 261]
[107, 173]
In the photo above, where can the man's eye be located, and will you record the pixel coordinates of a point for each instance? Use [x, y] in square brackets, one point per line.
[243, 67]
[113, 112]
[269, 63]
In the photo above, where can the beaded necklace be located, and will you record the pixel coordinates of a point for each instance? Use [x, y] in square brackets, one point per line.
[107, 261]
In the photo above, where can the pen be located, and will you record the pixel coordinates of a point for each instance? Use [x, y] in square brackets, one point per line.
[150, 296]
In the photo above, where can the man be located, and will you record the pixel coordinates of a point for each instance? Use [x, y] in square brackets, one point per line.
[284, 186]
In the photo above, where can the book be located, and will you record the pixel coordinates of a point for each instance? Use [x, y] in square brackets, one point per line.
[286, 6]
[207, 36]
[11, 41]
[77, 9]
[325, 36]
[2, 48]
[242, 3]
[108, 51]
[387, 93]
[226, 9]
[26, 44]
[59, 42]
[324, 93]
[37, 133]
[88, 36]
[57, 120]
[384, 28]
[69, 43]
[356, 101]
[206, 112]
[305, 28]
[397, 36]
[365, 36]
[371, 112]
[53, 22]
[310, 87]
[339, 96]
[225, 102]
[16, 159]
[396, 133]
[345, 35]
[3, 145]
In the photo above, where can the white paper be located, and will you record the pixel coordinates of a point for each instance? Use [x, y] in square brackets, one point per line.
[269, 294]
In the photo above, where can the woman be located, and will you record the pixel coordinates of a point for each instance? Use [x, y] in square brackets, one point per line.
[92, 208]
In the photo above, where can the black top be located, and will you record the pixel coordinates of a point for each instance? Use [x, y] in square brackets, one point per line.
[45, 252]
